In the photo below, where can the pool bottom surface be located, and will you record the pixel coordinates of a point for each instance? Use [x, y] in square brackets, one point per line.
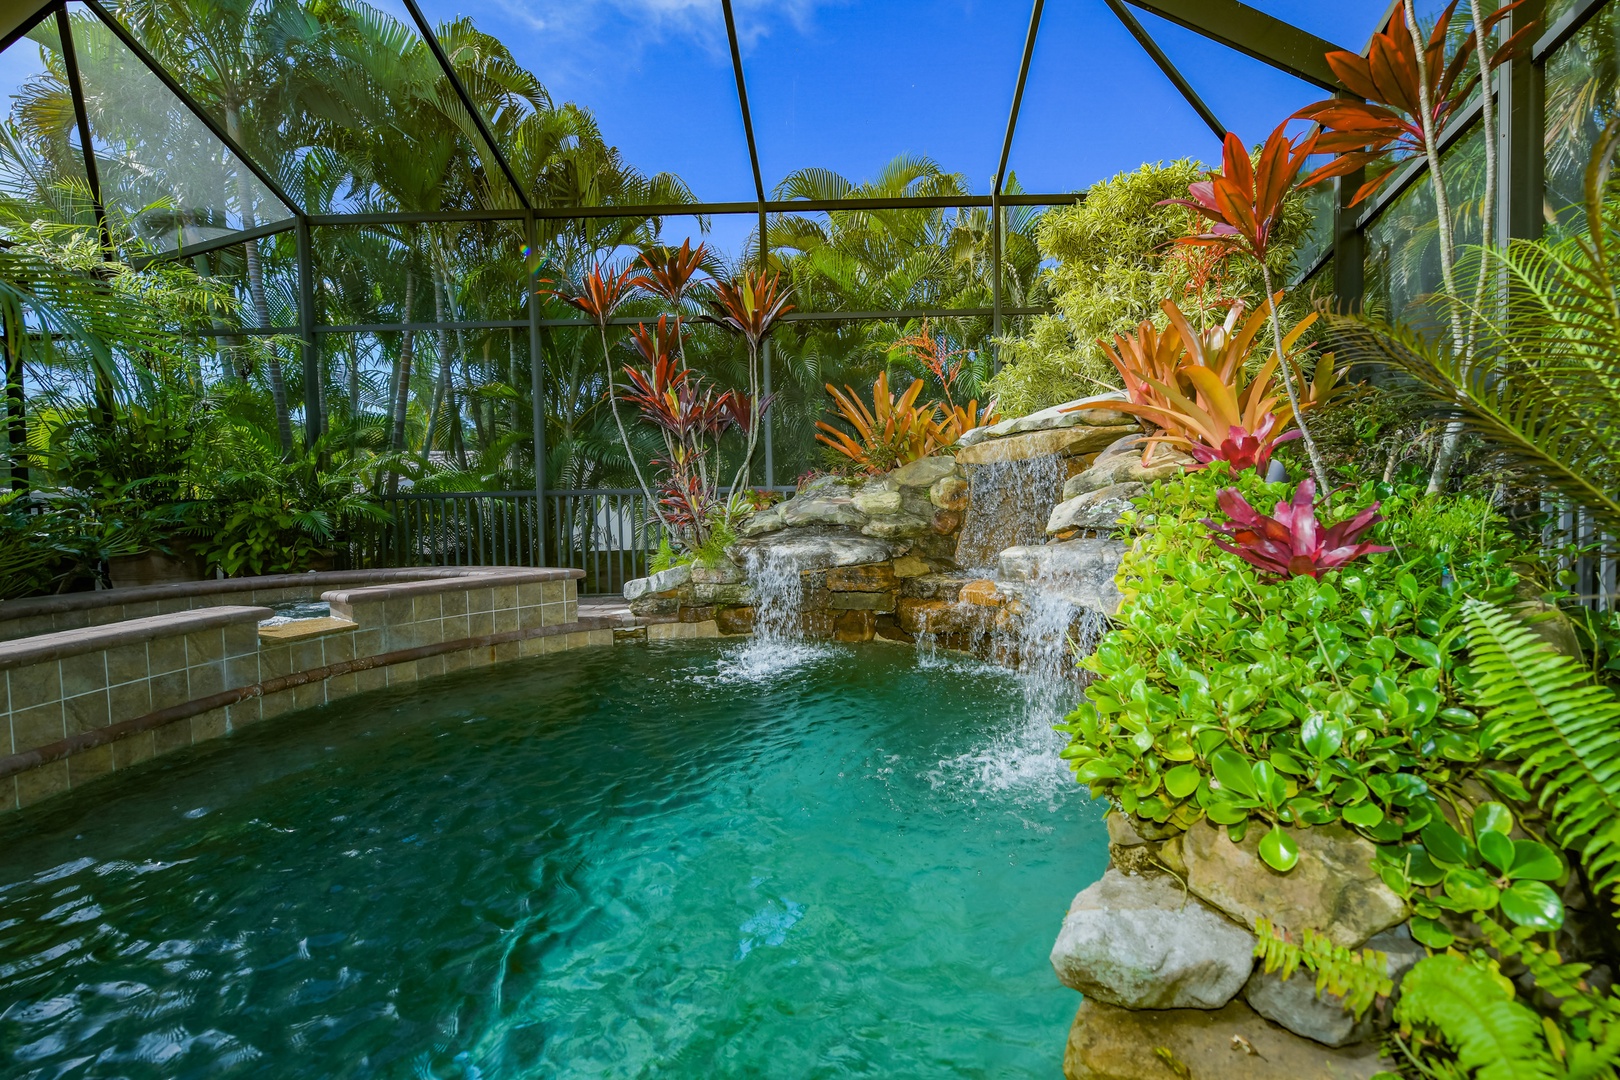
[666, 861]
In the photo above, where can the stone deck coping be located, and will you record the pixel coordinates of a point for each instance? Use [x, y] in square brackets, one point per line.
[51, 605]
[42, 648]
[489, 577]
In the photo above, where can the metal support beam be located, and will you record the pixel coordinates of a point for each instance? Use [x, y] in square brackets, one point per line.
[1171, 72]
[1579, 14]
[1520, 107]
[310, 347]
[21, 17]
[203, 247]
[1254, 33]
[537, 360]
[92, 170]
[1349, 245]
[1001, 165]
[477, 115]
[131, 42]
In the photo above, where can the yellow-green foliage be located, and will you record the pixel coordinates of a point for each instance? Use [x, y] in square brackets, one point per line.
[1357, 977]
[1110, 274]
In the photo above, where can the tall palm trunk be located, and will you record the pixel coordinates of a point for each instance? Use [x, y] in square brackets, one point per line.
[402, 375]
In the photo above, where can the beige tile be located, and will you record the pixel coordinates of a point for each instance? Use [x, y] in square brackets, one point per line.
[170, 690]
[309, 695]
[134, 749]
[531, 646]
[126, 664]
[531, 618]
[401, 673]
[83, 673]
[398, 610]
[35, 684]
[368, 613]
[143, 609]
[213, 724]
[480, 624]
[241, 671]
[479, 600]
[172, 737]
[306, 655]
[453, 603]
[49, 779]
[8, 794]
[273, 705]
[274, 662]
[204, 680]
[38, 726]
[426, 607]
[457, 661]
[166, 654]
[86, 712]
[241, 714]
[571, 611]
[552, 615]
[171, 604]
[531, 593]
[504, 596]
[551, 592]
[130, 700]
[341, 686]
[371, 679]
[455, 628]
[506, 650]
[336, 648]
[205, 646]
[429, 666]
[506, 620]
[368, 642]
[86, 765]
[241, 639]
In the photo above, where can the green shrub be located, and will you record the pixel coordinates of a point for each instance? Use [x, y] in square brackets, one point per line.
[1111, 272]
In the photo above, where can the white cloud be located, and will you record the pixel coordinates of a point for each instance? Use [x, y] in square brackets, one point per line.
[598, 30]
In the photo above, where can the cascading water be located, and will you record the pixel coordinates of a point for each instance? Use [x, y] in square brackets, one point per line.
[1009, 503]
[778, 643]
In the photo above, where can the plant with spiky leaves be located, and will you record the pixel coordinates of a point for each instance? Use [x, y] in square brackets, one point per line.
[751, 307]
[1291, 542]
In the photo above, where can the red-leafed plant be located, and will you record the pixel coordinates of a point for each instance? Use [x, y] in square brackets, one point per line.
[1244, 205]
[1242, 449]
[1292, 542]
[750, 307]
[1411, 89]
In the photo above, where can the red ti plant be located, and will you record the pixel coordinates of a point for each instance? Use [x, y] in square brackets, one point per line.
[1244, 205]
[1243, 449]
[1292, 542]
[750, 306]
[668, 272]
[599, 295]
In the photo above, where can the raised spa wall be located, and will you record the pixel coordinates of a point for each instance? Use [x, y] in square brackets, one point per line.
[94, 682]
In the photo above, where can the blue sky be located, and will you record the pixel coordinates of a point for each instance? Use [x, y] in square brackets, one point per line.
[848, 84]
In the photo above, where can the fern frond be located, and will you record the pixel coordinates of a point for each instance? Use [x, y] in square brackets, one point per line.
[1553, 975]
[1543, 708]
[1357, 977]
[1472, 1007]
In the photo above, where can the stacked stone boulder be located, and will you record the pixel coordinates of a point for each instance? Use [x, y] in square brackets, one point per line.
[1163, 950]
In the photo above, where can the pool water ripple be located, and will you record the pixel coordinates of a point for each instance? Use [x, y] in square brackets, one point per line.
[621, 863]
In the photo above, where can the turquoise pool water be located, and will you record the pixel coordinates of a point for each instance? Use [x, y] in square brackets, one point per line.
[664, 861]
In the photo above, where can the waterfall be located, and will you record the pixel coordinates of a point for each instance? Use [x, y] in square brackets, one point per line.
[1009, 504]
[778, 644]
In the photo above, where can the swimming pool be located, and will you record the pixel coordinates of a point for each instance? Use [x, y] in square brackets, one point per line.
[671, 861]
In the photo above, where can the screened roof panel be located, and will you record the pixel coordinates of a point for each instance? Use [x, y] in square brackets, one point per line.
[855, 86]
[349, 111]
[164, 175]
[41, 164]
[656, 78]
[1346, 23]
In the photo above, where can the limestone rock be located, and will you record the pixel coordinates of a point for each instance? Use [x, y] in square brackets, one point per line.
[897, 526]
[1096, 511]
[854, 626]
[661, 582]
[1141, 943]
[727, 573]
[983, 593]
[768, 520]
[917, 616]
[910, 566]
[735, 594]
[877, 503]
[1125, 466]
[1054, 418]
[1333, 889]
[950, 493]
[876, 578]
[937, 586]
[1106, 1043]
[817, 549]
[822, 510]
[655, 605]
[862, 601]
[924, 472]
[1083, 570]
[735, 620]
[1293, 1003]
[1068, 442]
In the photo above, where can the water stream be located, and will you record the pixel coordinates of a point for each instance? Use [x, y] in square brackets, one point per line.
[1009, 504]
[778, 645]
